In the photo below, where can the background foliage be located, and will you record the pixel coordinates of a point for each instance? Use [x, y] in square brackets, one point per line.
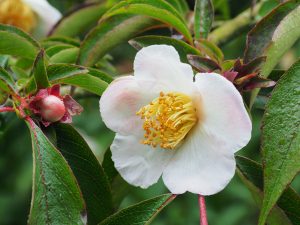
[238, 203]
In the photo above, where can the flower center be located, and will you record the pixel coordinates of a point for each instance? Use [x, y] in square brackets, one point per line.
[17, 13]
[168, 119]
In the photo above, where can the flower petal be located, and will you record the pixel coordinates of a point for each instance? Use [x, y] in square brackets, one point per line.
[48, 15]
[119, 104]
[224, 114]
[202, 165]
[140, 165]
[161, 66]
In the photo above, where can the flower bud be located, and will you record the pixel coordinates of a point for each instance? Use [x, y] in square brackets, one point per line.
[52, 108]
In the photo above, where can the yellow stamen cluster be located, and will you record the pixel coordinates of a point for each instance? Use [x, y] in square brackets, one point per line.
[168, 119]
[17, 13]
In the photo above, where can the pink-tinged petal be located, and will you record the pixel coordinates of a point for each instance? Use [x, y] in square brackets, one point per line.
[202, 165]
[230, 75]
[160, 66]
[140, 165]
[224, 116]
[55, 90]
[73, 107]
[67, 118]
[34, 101]
[119, 104]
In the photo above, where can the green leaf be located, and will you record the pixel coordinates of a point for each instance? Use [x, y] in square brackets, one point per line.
[85, 81]
[288, 206]
[140, 214]
[110, 33]
[100, 74]
[14, 41]
[119, 187]
[4, 60]
[273, 36]
[180, 5]
[7, 83]
[65, 56]
[89, 173]
[183, 48]
[39, 71]
[281, 138]
[73, 23]
[210, 49]
[159, 10]
[56, 197]
[63, 70]
[57, 48]
[204, 16]
[59, 40]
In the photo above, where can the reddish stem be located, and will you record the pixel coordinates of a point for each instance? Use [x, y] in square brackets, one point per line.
[7, 109]
[202, 206]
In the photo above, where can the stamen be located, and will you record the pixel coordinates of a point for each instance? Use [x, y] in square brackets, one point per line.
[168, 119]
[17, 13]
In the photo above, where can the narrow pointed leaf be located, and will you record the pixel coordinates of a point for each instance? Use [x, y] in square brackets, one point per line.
[288, 206]
[202, 64]
[65, 56]
[183, 48]
[14, 41]
[140, 214]
[56, 197]
[210, 49]
[6, 82]
[40, 72]
[159, 10]
[204, 16]
[89, 173]
[281, 138]
[73, 23]
[110, 33]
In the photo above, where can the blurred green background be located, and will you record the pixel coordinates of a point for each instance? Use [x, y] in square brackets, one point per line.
[233, 206]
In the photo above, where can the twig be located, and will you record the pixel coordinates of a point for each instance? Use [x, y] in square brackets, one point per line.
[7, 109]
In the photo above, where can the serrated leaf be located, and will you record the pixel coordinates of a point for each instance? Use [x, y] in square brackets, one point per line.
[6, 82]
[273, 36]
[89, 173]
[65, 56]
[39, 71]
[204, 16]
[110, 33]
[183, 48]
[159, 10]
[14, 41]
[140, 214]
[73, 23]
[56, 196]
[251, 174]
[281, 138]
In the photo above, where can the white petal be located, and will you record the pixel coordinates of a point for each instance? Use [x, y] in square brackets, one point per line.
[224, 114]
[48, 15]
[202, 165]
[160, 64]
[119, 104]
[140, 165]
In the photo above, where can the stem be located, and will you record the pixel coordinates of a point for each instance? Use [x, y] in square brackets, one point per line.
[231, 28]
[7, 109]
[202, 207]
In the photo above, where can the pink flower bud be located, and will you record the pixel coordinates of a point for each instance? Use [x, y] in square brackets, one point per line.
[52, 108]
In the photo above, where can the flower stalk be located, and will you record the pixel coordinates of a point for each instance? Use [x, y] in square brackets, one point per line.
[202, 210]
[7, 109]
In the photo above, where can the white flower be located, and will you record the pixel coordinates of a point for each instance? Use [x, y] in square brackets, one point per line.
[168, 125]
[36, 16]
